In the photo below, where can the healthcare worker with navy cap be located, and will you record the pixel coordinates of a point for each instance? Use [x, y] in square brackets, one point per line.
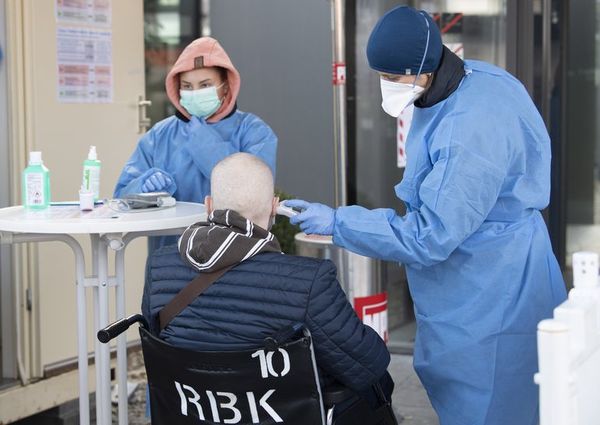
[480, 266]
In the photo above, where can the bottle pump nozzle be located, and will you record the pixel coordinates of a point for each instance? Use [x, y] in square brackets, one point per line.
[35, 158]
[92, 155]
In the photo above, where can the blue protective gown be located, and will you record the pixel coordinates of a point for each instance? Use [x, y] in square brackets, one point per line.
[480, 266]
[188, 152]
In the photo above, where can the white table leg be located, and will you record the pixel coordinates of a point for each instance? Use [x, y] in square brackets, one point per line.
[82, 349]
[103, 410]
[122, 339]
[121, 309]
[95, 239]
[104, 321]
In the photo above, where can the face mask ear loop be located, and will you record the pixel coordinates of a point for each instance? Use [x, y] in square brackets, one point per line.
[426, 49]
[217, 88]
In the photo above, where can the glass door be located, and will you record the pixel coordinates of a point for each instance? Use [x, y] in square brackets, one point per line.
[582, 128]
[472, 29]
[169, 26]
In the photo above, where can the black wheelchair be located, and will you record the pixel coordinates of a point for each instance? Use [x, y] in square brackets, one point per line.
[277, 383]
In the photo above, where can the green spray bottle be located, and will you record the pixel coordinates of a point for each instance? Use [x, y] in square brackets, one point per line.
[36, 183]
[91, 173]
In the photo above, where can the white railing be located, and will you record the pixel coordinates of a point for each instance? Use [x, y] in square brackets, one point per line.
[569, 352]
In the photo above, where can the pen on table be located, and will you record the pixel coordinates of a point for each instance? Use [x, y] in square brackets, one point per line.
[71, 203]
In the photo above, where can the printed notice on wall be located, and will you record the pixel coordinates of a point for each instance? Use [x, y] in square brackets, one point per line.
[84, 65]
[88, 12]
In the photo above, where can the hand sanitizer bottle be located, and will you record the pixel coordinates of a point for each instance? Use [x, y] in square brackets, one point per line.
[91, 173]
[36, 183]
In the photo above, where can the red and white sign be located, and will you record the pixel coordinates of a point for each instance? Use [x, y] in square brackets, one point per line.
[372, 310]
[404, 121]
[339, 73]
[457, 48]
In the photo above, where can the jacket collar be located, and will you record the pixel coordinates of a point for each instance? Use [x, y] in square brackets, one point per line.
[446, 80]
[225, 240]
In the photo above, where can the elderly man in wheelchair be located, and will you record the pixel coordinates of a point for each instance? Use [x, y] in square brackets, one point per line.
[235, 332]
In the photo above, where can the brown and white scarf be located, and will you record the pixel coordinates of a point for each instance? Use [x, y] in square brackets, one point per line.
[225, 240]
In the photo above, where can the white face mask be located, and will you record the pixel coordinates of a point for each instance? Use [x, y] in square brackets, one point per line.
[398, 96]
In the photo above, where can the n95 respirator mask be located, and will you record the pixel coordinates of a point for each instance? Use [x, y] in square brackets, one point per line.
[396, 97]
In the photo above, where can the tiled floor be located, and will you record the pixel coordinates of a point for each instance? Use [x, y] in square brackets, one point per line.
[409, 398]
[402, 338]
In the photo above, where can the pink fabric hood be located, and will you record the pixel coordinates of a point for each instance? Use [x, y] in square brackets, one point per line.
[212, 54]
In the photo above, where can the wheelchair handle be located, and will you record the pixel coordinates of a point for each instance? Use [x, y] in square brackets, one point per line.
[117, 328]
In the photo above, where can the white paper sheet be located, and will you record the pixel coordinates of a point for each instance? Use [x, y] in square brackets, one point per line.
[84, 60]
[87, 12]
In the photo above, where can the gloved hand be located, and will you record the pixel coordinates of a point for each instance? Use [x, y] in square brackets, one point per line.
[316, 219]
[194, 127]
[195, 123]
[157, 182]
[198, 129]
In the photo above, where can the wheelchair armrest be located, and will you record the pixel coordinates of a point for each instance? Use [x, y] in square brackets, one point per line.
[335, 394]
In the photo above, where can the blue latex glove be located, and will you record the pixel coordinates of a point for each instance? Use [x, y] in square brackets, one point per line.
[157, 182]
[196, 126]
[316, 219]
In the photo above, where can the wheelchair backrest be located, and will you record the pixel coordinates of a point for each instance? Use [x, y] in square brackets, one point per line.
[261, 386]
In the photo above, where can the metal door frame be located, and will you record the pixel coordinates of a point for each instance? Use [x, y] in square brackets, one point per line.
[557, 222]
[519, 41]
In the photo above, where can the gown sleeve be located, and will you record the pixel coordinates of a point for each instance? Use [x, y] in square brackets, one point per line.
[138, 167]
[457, 195]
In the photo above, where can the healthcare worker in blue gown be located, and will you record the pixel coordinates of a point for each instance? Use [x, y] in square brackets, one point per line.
[178, 154]
[477, 252]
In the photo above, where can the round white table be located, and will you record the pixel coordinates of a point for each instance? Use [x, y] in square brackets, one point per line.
[107, 229]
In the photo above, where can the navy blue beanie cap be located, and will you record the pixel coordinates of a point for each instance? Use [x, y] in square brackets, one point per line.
[398, 43]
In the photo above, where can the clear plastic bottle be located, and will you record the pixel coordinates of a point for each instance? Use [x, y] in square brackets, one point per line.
[36, 183]
[91, 173]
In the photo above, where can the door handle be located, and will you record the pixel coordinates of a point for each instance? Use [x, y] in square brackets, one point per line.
[143, 120]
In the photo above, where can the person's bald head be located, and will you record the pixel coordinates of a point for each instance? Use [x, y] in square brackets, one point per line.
[243, 183]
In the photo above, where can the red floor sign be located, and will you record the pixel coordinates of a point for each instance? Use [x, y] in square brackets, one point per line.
[372, 310]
